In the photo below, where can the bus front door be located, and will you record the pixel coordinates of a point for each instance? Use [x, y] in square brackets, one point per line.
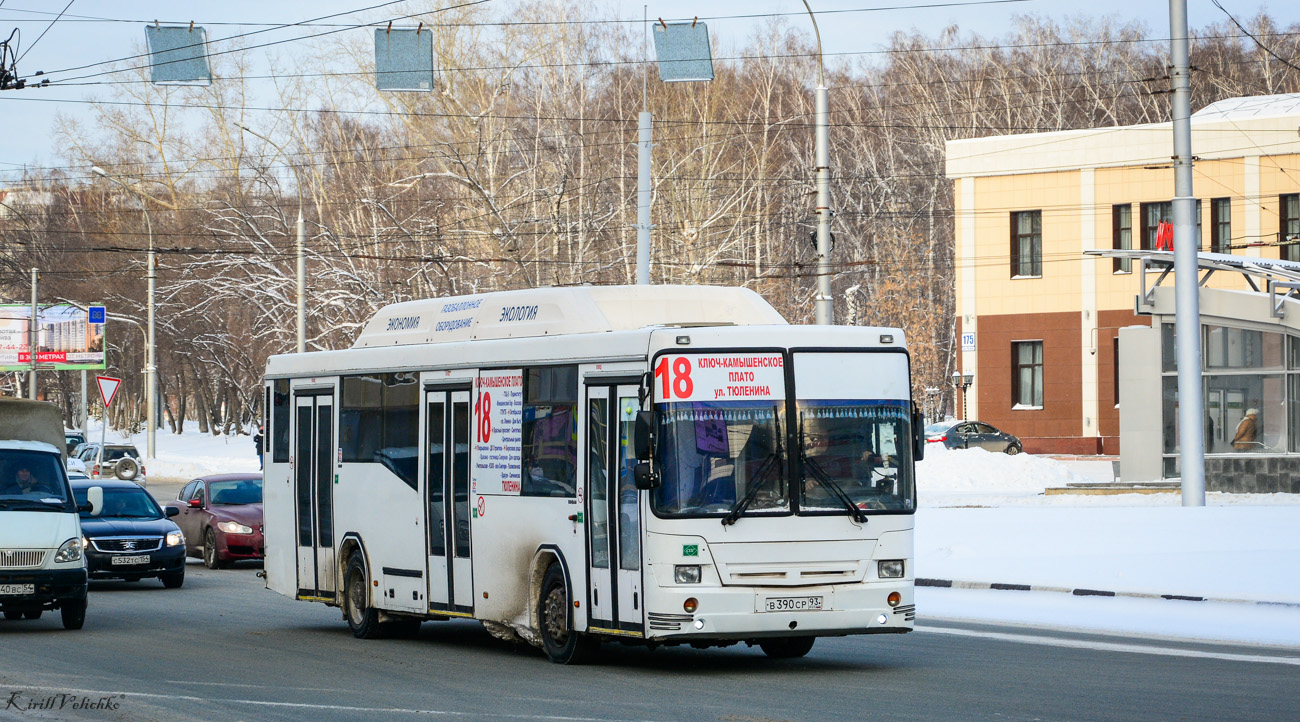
[614, 511]
[313, 470]
[446, 496]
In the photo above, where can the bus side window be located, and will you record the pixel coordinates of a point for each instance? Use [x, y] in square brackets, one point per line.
[550, 432]
[280, 421]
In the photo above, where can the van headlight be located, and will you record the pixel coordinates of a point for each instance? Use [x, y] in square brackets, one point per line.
[891, 569]
[175, 538]
[686, 574]
[70, 551]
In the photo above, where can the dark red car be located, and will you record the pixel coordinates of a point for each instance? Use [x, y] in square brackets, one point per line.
[221, 516]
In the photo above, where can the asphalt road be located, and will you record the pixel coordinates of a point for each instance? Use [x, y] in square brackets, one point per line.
[225, 648]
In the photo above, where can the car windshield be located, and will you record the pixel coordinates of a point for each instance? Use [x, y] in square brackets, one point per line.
[122, 504]
[234, 493]
[32, 481]
[861, 448]
[939, 428]
[712, 454]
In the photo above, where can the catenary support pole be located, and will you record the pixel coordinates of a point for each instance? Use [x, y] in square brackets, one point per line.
[151, 366]
[302, 278]
[1191, 404]
[33, 339]
[643, 199]
[85, 409]
[824, 309]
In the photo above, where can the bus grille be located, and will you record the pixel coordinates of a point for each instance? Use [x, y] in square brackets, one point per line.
[22, 558]
[669, 622]
[908, 611]
[127, 544]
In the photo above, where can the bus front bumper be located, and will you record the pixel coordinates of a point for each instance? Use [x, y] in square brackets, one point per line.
[741, 613]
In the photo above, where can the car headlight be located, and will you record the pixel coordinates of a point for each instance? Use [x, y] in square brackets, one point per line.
[234, 527]
[175, 538]
[686, 574]
[891, 569]
[70, 551]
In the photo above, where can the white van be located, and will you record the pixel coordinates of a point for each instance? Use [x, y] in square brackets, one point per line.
[42, 563]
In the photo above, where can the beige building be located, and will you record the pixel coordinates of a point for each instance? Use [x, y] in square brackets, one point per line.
[1039, 320]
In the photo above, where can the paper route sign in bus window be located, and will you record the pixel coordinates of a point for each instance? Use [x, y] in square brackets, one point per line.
[498, 431]
[720, 377]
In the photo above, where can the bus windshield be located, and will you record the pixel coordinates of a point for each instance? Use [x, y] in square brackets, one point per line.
[855, 449]
[712, 454]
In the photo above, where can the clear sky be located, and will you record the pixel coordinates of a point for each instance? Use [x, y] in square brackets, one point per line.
[92, 32]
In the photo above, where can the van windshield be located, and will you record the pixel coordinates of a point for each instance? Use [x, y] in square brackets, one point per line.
[32, 481]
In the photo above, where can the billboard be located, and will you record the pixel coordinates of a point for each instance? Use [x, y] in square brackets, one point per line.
[66, 340]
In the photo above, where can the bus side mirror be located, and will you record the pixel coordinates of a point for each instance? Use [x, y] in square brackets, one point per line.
[918, 436]
[644, 476]
[644, 433]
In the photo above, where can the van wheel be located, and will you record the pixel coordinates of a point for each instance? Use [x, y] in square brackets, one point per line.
[554, 612]
[787, 647]
[362, 619]
[13, 614]
[74, 613]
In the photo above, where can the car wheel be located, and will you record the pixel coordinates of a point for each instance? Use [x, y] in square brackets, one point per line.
[211, 558]
[1013, 449]
[127, 468]
[74, 613]
[13, 614]
[173, 580]
[32, 614]
[787, 647]
[362, 619]
[561, 643]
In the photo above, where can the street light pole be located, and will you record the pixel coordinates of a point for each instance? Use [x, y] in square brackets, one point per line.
[301, 232]
[33, 336]
[151, 340]
[824, 308]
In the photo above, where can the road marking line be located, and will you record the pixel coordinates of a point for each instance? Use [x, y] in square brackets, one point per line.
[1112, 646]
[330, 707]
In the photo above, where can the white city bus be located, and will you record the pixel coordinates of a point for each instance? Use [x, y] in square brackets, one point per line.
[665, 464]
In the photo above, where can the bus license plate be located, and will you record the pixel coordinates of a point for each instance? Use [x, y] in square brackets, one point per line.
[11, 589]
[140, 559]
[791, 604]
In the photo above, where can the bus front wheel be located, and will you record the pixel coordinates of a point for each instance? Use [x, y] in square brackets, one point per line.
[561, 643]
[362, 619]
[787, 647]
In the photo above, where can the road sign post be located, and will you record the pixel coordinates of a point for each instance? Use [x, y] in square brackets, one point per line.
[107, 390]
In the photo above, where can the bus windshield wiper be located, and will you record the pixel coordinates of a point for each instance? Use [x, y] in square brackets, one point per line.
[820, 476]
[755, 483]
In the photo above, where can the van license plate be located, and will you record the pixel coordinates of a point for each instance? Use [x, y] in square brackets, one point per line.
[791, 604]
[12, 589]
[139, 559]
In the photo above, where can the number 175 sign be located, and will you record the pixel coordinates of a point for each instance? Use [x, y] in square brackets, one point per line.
[720, 377]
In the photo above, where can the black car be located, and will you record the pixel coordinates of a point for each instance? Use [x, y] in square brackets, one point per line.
[972, 435]
[132, 537]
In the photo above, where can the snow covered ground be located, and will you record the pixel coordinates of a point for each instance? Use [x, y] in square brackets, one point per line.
[983, 518]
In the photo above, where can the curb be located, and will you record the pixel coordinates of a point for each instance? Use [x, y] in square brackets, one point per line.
[1001, 586]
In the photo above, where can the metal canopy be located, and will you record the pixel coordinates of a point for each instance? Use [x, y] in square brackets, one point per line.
[404, 59]
[178, 55]
[683, 51]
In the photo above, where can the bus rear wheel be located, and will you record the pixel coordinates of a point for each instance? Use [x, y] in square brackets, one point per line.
[561, 644]
[787, 647]
[362, 619]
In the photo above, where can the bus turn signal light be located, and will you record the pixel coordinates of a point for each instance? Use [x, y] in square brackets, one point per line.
[894, 599]
[691, 604]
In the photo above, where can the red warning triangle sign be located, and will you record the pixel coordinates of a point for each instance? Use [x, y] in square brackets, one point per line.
[107, 388]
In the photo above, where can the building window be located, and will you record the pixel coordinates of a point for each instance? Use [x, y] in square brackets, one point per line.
[1027, 374]
[1221, 225]
[1121, 222]
[1027, 244]
[1152, 214]
[1289, 226]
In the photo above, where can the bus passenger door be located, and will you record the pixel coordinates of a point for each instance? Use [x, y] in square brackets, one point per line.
[446, 461]
[613, 508]
[313, 470]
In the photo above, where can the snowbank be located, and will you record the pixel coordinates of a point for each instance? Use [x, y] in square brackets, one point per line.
[180, 457]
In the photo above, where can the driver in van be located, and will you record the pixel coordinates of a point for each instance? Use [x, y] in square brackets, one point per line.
[25, 482]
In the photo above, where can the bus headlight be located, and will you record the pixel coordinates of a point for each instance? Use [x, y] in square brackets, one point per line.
[891, 569]
[686, 574]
